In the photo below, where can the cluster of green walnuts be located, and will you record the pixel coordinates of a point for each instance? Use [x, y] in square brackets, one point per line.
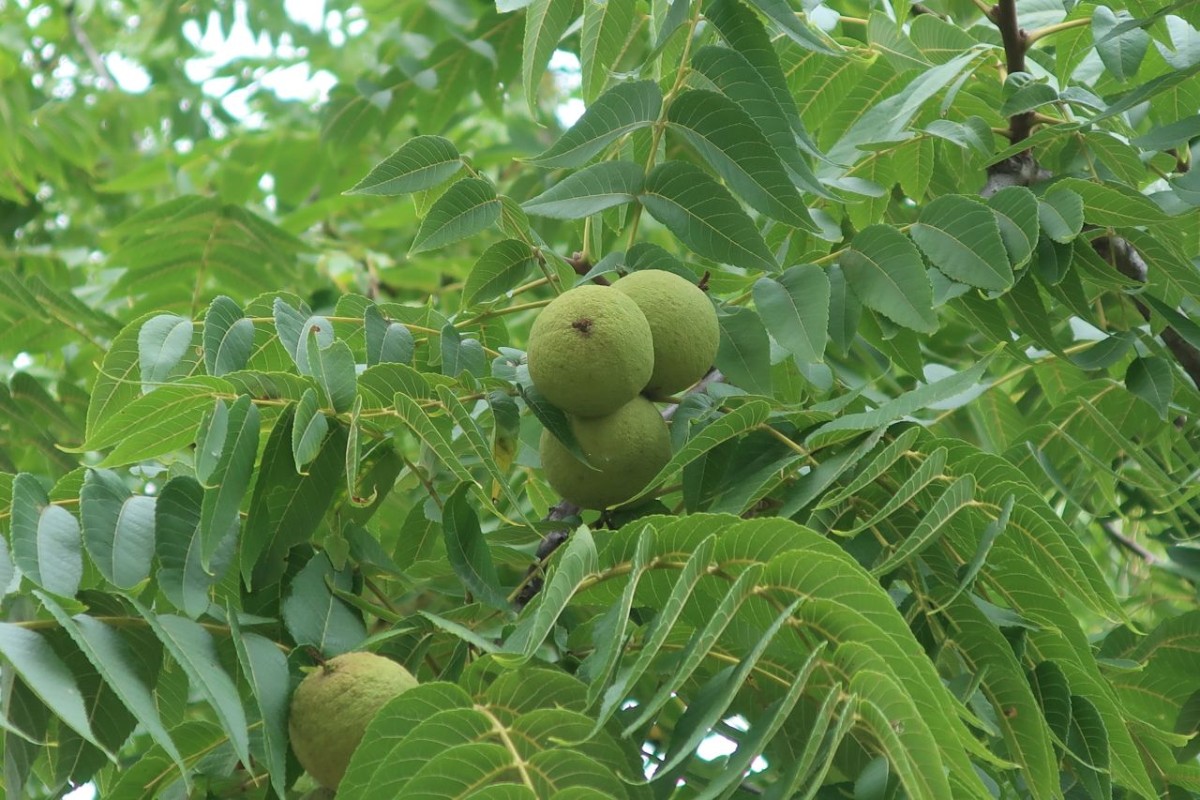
[603, 355]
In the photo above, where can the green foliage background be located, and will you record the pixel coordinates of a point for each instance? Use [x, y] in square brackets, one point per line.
[929, 529]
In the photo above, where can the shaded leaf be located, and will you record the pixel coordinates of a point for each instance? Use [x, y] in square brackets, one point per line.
[192, 647]
[162, 343]
[315, 616]
[32, 657]
[1151, 378]
[181, 574]
[467, 550]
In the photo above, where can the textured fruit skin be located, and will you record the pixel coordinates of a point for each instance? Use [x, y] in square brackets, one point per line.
[332, 706]
[627, 447]
[590, 351]
[683, 326]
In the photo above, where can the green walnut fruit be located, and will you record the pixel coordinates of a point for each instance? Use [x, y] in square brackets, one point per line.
[627, 449]
[332, 706]
[590, 351]
[683, 325]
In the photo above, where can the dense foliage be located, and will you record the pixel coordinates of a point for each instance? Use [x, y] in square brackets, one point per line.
[928, 529]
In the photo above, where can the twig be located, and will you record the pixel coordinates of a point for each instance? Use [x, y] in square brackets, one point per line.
[1123, 541]
[89, 49]
[580, 263]
[1050, 30]
[531, 584]
[714, 376]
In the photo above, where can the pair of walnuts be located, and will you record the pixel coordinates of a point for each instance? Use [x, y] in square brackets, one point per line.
[603, 355]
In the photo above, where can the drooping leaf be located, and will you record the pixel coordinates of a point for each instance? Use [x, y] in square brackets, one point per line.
[704, 216]
[315, 616]
[962, 238]
[230, 478]
[1060, 212]
[308, 431]
[387, 342]
[728, 139]
[1016, 210]
[607, 26]
[41, 669]
[228, 337]
[795, 309]
[885, 271]
[1151, 379]
[182, 574]
[192, 647]
[545, 23]
[744, 351]
[121, 667]
[266, 669]
[285, 508]
[1121, 50]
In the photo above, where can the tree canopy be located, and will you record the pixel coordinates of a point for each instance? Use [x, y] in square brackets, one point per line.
[928, 528]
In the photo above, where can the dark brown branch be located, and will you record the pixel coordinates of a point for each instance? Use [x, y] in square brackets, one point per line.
[550, 542]
[1126, 260]
[1015, 45]
[582, 267]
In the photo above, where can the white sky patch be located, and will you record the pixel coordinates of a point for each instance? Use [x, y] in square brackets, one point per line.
[128, 74]
[569, 77]
[295, 82]
[307, 12]
[85, 792]
[715, 745]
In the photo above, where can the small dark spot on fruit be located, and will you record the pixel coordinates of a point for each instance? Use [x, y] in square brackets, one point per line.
[584, 325]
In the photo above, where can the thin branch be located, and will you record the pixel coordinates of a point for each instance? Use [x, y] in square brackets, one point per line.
[1128, 261]
[988, 11]
[89, 49]
[1124, 542]
[1050, 30]
[582, 266]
